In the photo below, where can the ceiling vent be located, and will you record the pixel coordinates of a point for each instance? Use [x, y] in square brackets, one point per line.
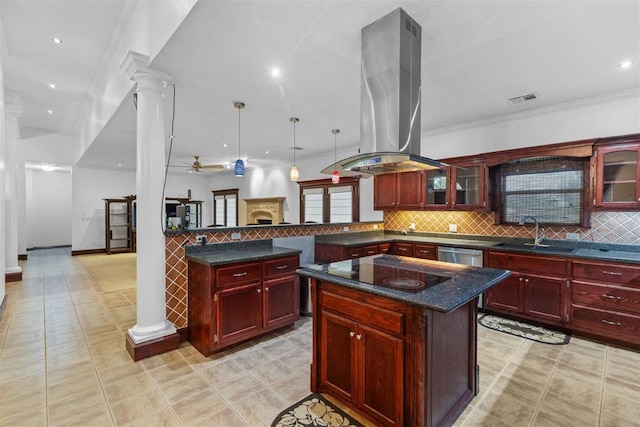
[523, 98]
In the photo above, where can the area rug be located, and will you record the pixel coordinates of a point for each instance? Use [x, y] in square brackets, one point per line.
[314, 410]
[111, 272]
[524, 330]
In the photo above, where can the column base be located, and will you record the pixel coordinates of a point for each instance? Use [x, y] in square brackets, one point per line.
[140, 334]
[153, 347]
[13, 274]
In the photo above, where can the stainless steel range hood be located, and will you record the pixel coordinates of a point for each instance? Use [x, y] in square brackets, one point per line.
[390, 92]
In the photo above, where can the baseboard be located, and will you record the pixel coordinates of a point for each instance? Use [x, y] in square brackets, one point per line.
[88, 252]
[22, 257]
[12, 277]
[153, 347]
[48, 247]
[184, 334]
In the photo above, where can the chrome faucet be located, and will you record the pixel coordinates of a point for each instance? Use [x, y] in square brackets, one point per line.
[539, 237]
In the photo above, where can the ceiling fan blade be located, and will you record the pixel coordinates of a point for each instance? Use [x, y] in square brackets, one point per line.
[219, 167]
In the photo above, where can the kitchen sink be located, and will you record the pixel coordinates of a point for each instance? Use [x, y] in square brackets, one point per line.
[533, 248]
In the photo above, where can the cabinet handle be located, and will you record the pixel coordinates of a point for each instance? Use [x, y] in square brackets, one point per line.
[403, 249]
[266, 289]
[612, 273]
[422, 251]
[244, 273]
[281, 267]
[259, 290]
[614, 297]
[352, 334]
[609, 322]
[370, 252]
[358, 337]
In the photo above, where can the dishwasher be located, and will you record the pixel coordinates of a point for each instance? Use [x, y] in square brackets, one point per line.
[472, 257]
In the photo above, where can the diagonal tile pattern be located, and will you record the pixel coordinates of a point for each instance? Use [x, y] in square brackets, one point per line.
[63, 363]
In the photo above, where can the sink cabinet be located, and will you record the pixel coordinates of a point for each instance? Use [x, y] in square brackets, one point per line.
[538, 288]
[230, 304]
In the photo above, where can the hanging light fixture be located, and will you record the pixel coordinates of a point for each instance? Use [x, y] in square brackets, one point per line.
[335, 176]
[239, 167]
[294, 174]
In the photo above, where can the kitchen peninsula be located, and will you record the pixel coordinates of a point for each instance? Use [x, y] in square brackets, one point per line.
[395, 337]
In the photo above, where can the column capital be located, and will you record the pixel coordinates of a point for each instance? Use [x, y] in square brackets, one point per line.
[136, 66]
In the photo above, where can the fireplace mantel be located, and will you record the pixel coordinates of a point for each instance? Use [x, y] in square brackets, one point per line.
[264, 209]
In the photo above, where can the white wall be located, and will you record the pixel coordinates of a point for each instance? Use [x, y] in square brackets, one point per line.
[91, 186]
[617, 114]
[48, 208]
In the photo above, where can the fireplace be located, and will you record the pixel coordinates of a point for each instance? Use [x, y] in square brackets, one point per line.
[267, 210]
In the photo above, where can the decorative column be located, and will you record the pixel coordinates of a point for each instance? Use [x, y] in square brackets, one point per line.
[153, 333]
[12, 271]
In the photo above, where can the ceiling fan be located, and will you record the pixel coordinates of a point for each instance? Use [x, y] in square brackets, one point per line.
[196, 166]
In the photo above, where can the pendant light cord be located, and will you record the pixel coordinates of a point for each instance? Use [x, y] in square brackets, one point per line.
[294, 142]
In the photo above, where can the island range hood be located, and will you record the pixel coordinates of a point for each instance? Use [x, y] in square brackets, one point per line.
[390, 92]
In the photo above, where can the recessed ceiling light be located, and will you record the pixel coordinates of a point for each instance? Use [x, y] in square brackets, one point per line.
[626, 64]
[50, 111]
[47, 167]
[275, 72]
[266, 151]
[224, 145]
[119, 165]
[56, 40]
[52, 85]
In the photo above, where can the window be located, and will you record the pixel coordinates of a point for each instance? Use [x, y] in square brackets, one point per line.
[323, 201]
[225, 208]
[551, 189]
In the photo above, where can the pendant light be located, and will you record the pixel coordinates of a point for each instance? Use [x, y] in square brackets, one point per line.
[335, 176]
[294, 174]
[239, 167]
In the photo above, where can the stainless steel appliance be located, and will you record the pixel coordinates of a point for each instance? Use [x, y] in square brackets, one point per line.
[472, 257]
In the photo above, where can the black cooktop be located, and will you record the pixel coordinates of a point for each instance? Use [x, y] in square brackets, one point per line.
[375, 271]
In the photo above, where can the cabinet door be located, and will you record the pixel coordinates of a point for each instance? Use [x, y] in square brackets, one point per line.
[437, 195]
[380, 375]
[506, 296]
[468, 187]
[280, 302]
[239, 313]
[425, 251]
[384, 191]
[353, 252]
[546, 298]
[337, 356]
[617, 176]
[410, 190]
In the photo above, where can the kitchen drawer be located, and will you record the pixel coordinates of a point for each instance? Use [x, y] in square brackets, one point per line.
[370, 250]
[355, 252]
[608, 322]
[384, 247]
[366, 314]
[543, 265]
[281, 266]
[618, 274]
[425, 251]
[617, 298]
[237, 273]
[402, 249]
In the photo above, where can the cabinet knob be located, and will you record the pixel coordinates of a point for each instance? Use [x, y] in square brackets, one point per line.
[266, 289]
[358, 337]
[519, 279]
[259, 290]
[352, 334]
[526, 280]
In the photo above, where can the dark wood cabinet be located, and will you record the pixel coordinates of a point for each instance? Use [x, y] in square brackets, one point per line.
[401, 248]
[230, 304]
[398, 364]
[330, 252]
[606, 300]
[458, 187]
[399, 191]
[119, 225]
[617, 184]
[538, 288]
[425, 251]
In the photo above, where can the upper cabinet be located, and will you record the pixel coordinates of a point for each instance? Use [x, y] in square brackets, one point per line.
[618, 174]
[462, 187]
[458, 187]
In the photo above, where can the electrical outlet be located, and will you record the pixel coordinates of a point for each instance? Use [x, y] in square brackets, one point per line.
[235, 236]
[572, 236]
[412, 226]
[345, 228]
[453, 228]
[375, 226]
[201, 239]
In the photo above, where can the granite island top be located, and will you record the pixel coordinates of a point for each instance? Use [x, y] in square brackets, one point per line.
[229, 253]
[460, 284]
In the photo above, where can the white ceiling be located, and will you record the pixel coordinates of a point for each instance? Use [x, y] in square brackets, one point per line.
[475, 55]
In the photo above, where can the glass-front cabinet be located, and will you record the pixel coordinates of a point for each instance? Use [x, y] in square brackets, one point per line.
[119, 234]
[617, 176]
[460, 187]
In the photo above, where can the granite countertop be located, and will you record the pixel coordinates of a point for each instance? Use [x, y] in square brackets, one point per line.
[463, 285]
[229, 253]
[562, 248]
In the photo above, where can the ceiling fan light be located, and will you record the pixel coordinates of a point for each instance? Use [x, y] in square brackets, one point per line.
[294, 174]
[239, 168]
[335, 177]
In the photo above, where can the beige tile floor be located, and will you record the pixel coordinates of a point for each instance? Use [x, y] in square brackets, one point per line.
[63, 363]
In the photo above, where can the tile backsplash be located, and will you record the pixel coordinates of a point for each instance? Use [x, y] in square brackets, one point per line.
[606, 227]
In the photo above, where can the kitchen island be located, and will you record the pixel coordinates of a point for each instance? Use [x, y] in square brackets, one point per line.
[395, 337]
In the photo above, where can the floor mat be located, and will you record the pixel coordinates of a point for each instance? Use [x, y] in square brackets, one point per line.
[524, 330]
[314, 410]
